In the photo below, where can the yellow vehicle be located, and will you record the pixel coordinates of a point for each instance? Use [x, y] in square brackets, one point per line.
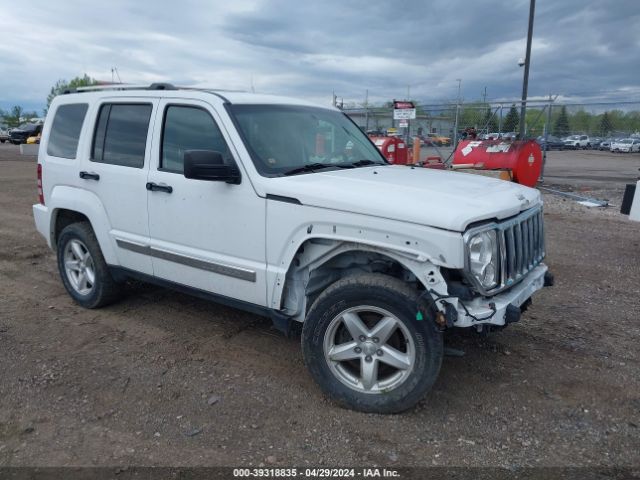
[438, 139]
[34, 139]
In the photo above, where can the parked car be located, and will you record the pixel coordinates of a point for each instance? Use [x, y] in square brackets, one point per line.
[22, 133]
[492, 136]
[376, 133]
[577, 141]
[626, 145]
[35, 139]
[286, 209]
[4, 135]
[605, 144]
[550, 143]
[439, 140]
[594, 142]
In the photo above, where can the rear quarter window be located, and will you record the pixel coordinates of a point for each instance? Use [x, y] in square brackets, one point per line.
[65, 130]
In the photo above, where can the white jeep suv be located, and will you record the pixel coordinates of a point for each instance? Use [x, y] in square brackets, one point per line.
[577, 141]
[286, 209]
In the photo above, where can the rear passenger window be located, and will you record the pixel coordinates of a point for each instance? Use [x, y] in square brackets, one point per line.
[65, 131]
[188, 128]
[121, 134]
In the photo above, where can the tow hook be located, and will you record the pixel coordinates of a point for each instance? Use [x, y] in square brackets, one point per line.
[512, 315]
[447, 318]
[548, 279]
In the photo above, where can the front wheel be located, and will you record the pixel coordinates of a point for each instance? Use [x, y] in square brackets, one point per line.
[364, 346]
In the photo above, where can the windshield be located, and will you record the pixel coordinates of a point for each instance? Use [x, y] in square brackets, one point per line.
[574, 137]
[626, 140]
[284, 138]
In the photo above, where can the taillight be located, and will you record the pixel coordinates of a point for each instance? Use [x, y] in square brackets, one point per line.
[40, 192]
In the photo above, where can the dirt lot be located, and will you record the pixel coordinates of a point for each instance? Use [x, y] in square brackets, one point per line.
[165, 379]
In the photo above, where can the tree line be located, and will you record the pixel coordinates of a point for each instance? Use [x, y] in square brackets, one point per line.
[564, 121]
[17, 115]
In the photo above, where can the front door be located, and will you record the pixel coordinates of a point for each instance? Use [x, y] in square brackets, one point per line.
[203, 234]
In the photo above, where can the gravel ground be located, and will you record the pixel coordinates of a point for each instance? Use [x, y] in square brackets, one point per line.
[161, 378]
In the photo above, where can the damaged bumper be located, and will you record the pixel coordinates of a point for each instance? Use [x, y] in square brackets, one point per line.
[502, 308]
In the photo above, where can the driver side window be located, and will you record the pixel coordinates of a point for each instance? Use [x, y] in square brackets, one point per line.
[188, 128]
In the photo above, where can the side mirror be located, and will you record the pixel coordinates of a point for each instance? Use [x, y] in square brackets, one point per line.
[209, 165]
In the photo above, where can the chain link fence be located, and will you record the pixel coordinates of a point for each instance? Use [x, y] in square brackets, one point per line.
[452, 121]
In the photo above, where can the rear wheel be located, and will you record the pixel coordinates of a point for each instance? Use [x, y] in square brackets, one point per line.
[83, 269]
[364, 347]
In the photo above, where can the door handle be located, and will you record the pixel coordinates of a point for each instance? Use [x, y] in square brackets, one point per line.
[154, 187]
[89, 176]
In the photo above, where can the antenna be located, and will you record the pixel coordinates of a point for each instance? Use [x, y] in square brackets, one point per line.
[114, 73]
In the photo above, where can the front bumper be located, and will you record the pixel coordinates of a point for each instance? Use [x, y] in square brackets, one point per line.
[515, 296]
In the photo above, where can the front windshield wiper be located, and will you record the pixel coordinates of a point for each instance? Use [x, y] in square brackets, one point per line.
[312, 167]
[365, 162]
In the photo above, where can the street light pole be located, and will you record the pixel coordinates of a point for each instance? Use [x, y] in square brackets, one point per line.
[455, 125]
[527, 61]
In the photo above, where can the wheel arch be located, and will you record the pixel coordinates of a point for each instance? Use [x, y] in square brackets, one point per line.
[69, 205]
[319, 262]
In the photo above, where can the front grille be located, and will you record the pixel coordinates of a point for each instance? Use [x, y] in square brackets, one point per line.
[520, 249]
[521, 246]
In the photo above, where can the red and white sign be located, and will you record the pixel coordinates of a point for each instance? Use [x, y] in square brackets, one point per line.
[404, 111]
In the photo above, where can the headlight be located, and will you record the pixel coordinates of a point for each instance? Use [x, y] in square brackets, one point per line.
[483, 258]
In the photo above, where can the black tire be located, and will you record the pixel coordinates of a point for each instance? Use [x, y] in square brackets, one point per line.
[396, 297]
[104, 289]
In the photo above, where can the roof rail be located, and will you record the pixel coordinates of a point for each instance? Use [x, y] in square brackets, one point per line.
[124, 86]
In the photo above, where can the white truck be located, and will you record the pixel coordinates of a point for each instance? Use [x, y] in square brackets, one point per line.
[286, 209]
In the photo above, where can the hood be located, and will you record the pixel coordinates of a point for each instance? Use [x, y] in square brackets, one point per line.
[436, 198]
[20, 131]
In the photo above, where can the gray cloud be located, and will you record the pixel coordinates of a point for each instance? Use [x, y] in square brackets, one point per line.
[309, 49]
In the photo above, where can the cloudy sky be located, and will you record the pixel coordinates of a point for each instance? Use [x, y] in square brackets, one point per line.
[307, 48]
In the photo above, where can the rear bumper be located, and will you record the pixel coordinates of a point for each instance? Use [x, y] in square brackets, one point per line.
[43, 223]
[516, 296]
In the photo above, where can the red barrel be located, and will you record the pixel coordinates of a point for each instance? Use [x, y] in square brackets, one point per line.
[522, 157]
[393, 149]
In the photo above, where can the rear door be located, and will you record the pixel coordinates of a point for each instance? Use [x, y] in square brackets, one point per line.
[115, 168]
[204, 234]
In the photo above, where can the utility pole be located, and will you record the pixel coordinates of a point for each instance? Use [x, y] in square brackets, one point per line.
[527, 62]
[455, 125]
[484, 96]
[546, 136]
[366, 110]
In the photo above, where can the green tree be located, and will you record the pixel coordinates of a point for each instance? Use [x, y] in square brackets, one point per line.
[512, 120]
[605, 124]
[62, 85]
[28, 116]
[580, 122]
[561, 127]
[490, 122]
[14, 117]
[470, 115]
